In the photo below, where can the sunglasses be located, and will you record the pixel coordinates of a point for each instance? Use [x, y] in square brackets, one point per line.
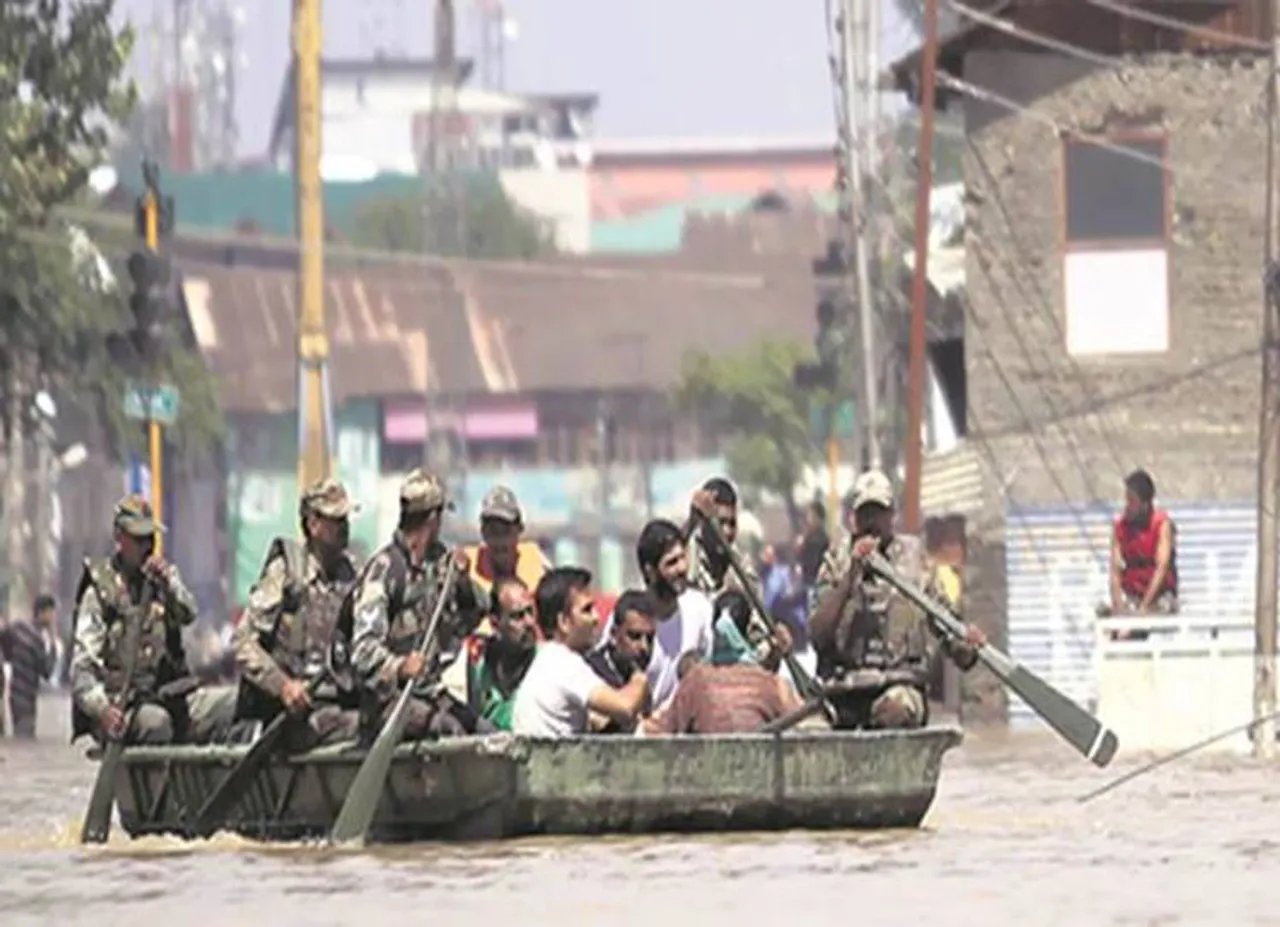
[526, 612]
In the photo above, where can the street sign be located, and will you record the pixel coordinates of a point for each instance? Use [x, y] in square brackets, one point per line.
[164, 405]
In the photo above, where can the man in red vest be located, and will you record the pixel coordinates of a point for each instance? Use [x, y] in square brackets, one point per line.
[1144, 570]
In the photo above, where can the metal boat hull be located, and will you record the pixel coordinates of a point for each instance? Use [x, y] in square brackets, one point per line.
[502, 786]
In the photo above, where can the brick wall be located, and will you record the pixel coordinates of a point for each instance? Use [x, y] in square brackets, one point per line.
[1189, 415]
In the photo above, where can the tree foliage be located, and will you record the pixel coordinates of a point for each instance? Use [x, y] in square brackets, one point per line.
[750, 400]
[62, 91]
[476, 218]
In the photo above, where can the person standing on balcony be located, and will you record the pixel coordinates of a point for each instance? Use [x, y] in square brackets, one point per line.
[1144, 571]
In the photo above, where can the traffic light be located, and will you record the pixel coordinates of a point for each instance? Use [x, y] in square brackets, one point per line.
[150, 270]
[150, 276]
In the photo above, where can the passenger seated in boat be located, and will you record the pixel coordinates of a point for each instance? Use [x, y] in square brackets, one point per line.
[388, 612]
[282, 643]
[627, 649]
[111, 603]
[871, 640]
[736, 643]
[496, 667]
[736, 698]
[683, 614]
[560, 690]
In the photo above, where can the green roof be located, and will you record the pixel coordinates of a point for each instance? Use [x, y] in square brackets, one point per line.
[220, 201]
[661, 230]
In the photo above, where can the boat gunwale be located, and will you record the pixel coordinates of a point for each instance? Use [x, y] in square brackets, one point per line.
[503, 743]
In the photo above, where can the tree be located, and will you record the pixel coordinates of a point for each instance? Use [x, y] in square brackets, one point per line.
[750, 399]
[475, 219]
[63, 91]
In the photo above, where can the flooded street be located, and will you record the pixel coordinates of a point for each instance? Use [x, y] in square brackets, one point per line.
[1197, 842]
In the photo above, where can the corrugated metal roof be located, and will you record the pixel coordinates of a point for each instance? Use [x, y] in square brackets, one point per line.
[1056, 571]
[483, 328]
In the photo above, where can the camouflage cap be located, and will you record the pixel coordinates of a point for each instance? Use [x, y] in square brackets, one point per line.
[328, 498]
[133, 515]
[500, 503]
[423, 491]
[872, 487]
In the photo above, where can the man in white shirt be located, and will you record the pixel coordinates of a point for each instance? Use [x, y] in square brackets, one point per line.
[684, 615]
[560, 688]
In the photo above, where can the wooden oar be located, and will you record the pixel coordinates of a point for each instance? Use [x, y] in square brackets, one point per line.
[1076, 726]
[97, 817]
[366, 790]
[231, 789]
[804, 682]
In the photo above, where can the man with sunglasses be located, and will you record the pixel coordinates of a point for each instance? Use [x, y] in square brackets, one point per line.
[282, 642]
[500, 662]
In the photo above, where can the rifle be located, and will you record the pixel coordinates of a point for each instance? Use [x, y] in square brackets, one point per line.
[1082, 730]
[97, 817]
[366, 789]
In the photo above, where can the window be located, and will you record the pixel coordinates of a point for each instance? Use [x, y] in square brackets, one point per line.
[1114, 196]
[1116, 265]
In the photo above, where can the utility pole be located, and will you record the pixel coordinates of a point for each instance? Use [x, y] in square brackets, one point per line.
[15, 497]
[854, 32]
[315, 451]
[1264, 686]
[151, 275]
[912, 521]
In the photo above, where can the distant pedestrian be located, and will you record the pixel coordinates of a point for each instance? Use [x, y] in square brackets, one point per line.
[28, 646]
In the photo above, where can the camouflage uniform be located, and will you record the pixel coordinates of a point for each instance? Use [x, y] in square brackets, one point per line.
[882, 646]
[390, 608]
[287, 630]
[702, 576]
[170, 704]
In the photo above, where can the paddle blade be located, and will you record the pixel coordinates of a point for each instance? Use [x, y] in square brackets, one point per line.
[362, 798]
[1087, 734]
[97, 817]
[232, 788]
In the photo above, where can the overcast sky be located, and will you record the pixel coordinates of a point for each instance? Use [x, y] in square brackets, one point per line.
[670, 68]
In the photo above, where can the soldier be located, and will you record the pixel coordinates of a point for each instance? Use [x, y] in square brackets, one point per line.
[391, 606]
[170, 705]
[866, 634]
[711, 573]
[282, 642]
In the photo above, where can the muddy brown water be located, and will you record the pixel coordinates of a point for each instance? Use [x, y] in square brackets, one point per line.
[1005, 843]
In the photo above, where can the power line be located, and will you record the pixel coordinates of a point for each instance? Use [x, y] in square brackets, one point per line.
[1000, 24]
[1178, 25]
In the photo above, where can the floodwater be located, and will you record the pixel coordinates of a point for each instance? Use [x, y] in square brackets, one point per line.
[1007, 842]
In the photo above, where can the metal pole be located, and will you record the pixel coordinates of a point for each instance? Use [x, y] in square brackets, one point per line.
[919, 285]
[15, 502]
[854, 36]
[155, 437]
[1264, 691]
[315, 451]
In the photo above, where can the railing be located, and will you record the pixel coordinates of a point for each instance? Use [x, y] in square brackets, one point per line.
[1190, 677]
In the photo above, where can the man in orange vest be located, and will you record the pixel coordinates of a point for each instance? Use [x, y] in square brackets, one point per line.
[1144, 570]
[501, 553]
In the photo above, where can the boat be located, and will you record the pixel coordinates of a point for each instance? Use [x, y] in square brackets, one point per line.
[500, 786]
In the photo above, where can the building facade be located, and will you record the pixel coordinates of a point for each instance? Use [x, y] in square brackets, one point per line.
[1114, 244]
